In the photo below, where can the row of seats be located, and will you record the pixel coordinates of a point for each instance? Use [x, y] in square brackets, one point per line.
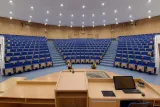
[29, 57]
[25, 53]
[135, 52]
[19, 67]
[140, 66]
[83, 59]
[82, 50]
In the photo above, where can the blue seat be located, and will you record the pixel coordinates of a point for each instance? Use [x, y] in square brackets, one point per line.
[24, 53]
[131, 57]
[118, 55]
[17, 54]
[9, 69]
[141, 66]
[144, 53]
[29, 58]
[97, 60]
[36, 57]
[42, 63]
[27, 66]
[125, 56]
[13, 59]
[124, 63]
[49, 62]
[35, 64]
[151, 69]
[21, 58]
[83, 59]
[146, 59]
[117, 62]
[138, 58]
[68, 59]
[78, 59]
[132, 64]
[137, 53]
[19, 67]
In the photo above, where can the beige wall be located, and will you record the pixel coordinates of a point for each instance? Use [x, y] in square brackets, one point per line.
[111, 31]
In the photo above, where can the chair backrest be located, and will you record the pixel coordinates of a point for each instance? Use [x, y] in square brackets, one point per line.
[145, 104]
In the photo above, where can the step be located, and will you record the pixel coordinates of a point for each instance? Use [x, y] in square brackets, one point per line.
[106, 64]
[59, 64]
[107, 60]
[62, 61]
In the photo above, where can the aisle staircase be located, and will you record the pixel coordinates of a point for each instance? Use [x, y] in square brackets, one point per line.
[55, 55]
[109, 57]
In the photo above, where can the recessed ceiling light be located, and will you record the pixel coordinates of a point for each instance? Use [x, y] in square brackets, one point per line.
[83, 6]
[149, 1]
[32, 7]
[47, 12]
[116, 19]
[104, 13]
[82, 22]
[129, 7]
[131, 20]
[29, 21]
[46, 20]
[45, 23]
[130, 16]
[149, 11]
[71, 22]
[115, 11]
[116, 23]
[83, 15]
[61, 5]
[10, 18]
[59, 25]
[10, 1]
[102, 4]
[92, 15]
[59, 21]
[149, 17]
[72, 15]
[10, 12]
[60, 14]
[104, 21]
[30, 16]
[93, 22]
[104, 24]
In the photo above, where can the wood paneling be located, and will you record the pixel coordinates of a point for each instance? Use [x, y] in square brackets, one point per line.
[110, 31]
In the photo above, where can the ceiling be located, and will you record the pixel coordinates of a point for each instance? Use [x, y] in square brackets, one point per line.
[21, 9]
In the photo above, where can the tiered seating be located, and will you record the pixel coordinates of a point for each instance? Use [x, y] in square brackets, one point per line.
[25, 53]
[136, 52]
[82, 50]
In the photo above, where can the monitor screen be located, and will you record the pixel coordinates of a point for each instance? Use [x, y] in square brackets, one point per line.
[124, 82]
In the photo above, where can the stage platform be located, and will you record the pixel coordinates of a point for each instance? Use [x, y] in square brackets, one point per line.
[80, 88]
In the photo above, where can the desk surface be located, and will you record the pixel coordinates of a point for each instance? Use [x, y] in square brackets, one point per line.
[42, 91]
[9, 83]
[44, 87]
[95, 88]
[50, 77]
[69, 81]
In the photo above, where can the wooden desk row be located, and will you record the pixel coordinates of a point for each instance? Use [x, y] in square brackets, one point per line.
[67, 89]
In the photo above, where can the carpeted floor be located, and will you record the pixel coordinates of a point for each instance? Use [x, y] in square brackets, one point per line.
[155, 79]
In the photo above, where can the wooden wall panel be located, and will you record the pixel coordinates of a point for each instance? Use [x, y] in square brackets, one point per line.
[110, 31]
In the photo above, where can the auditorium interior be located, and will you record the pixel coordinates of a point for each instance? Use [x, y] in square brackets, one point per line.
[79, 53]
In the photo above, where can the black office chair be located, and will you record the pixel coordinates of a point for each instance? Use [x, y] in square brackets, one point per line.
[144, 104]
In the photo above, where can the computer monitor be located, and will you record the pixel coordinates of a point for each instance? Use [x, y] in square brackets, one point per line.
[124, 82]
